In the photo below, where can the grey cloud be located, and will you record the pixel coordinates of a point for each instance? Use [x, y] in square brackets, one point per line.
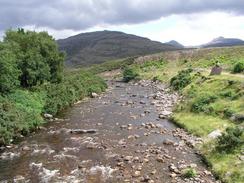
[82, 14]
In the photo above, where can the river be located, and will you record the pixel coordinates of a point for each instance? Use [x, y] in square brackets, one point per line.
[128, 142]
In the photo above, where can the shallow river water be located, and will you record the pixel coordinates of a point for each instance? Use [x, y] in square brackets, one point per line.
[131, 144]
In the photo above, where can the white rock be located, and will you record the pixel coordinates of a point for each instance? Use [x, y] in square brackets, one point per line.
[214, 134]
[94, 95]
[48, 116]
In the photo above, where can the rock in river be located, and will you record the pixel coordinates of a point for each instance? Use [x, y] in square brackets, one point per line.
[82, 131]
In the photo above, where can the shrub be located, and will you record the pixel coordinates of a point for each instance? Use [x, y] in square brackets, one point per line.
[181, 80]
[238, 67]
[74, 87]
[189, 173]
[201, 103]
[129, 74]
[228, 112]
[227, 94]
[230, 140]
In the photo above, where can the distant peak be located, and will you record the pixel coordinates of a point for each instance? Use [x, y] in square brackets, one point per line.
[172, 41]
[175, 43]
[218, 38]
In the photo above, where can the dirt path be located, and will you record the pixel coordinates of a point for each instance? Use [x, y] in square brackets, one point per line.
[128, 140]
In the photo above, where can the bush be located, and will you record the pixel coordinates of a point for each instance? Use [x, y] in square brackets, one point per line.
[129, 74]
[73, 88]
[238, 67]
[230, 140]
[228, 112]
[189, 173]
[201, 103]
[181, 80]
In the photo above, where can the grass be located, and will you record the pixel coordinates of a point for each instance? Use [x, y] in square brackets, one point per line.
[189, 173]
[227, 166]
[200, 125]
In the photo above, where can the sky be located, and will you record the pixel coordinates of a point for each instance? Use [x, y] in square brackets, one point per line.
[190, 22]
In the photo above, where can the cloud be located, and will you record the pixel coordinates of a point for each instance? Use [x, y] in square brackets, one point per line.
[83, 14]
[196, 29]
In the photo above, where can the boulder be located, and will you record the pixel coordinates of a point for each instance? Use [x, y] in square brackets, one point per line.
[216, 70]
[214, 134]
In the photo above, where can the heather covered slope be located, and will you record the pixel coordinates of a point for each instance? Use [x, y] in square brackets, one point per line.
[97, 47]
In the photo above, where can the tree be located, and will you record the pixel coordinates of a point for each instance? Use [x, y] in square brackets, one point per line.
[38, 57]
[9, 71]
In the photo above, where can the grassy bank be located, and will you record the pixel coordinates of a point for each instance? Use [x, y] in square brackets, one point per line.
[211, 105]
[22, 110]
[210, 102]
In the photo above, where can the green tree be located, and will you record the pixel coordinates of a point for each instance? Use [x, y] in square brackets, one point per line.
[38, 56]
[9, 71]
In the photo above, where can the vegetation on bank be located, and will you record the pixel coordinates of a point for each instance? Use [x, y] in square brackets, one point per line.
[33, 82]
[211, 103]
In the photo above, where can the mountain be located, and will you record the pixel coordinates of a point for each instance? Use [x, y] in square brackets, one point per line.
[97, 47]
[221, 42]
[175, 44]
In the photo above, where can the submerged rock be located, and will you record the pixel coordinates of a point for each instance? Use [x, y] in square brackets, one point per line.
[82, 131]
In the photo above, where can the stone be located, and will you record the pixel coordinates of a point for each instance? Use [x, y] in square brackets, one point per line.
[142, 115]
[154, 172]
[168, 142]
[82, 131]
[146, 178]
[123, 126]
[142, 102]
[145, 160]
[137, 173]
[26, 148]
[214, 134]
[241, 157]
[160, 159]
[122, 142]
[48, 116]
[173, 175]
[128, 158]
[94, 95]
[216, 70]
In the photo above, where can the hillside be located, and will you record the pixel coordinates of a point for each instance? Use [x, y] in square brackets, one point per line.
[222, 42]
[97, 47]
[175, 43]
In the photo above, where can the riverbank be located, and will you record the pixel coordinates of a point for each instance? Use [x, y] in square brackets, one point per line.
[212, 106]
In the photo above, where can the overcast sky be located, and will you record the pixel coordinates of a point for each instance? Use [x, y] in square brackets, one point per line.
[190, 22]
